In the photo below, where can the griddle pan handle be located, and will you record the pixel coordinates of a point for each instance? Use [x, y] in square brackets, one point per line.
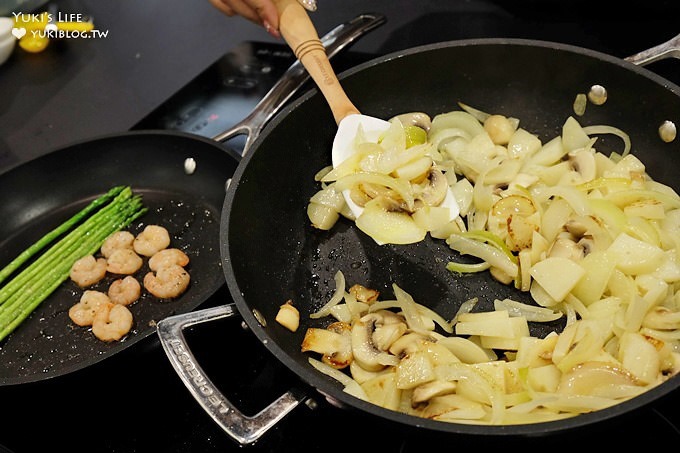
[295, 76]
[244, 429]
[668, 49]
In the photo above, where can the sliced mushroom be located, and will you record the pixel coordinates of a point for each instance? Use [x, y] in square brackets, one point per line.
[582, 161]
[407, 344]
[389, 331]
[434, 189]
[576, 227]
[587, 244]
[419, 119]
[588, 232]
[369, 356]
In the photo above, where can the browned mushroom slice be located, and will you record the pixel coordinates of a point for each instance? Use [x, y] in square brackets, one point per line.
[365, 351]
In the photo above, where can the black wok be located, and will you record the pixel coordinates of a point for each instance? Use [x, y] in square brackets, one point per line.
[271, 253]
[40, 194]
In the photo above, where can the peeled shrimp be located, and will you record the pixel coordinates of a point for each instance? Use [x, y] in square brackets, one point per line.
[88, 270]
[125, 291]
[151, 240]
[167, 282]
[124, 261]
[166, 257]
[84, 311]
[112, 322]
[118, 240]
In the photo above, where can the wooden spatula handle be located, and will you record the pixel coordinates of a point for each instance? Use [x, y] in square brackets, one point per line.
[299, 32]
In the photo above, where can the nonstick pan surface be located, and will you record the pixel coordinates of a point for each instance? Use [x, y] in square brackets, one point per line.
[276, 255]
[40, 194]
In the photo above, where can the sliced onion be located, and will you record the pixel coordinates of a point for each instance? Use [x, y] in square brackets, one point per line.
[531, 312]
[492, 255]
[337, 297]
[592, 130]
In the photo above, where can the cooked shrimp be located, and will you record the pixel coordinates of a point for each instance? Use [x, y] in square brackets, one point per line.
[125, 291]
[112, 322]
[167, 282]
[166, 257]
[118, 240]
[152, 239]
[124, 261]
[88, 270]
[84, 311]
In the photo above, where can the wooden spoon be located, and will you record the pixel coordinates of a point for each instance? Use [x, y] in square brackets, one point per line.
[301, 36]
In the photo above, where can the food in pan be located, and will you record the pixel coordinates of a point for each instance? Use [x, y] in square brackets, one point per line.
[112, 322]
[288, 316]
[109, 321]
[167, 278]
[167, 282]
[88, 270]
[42, 267]
[82, 313]
[118, 240]
[591, 237]
[124, 291]
[151, 240]
[123, 262]
[485, 367]
[85, 249]
[527, 207]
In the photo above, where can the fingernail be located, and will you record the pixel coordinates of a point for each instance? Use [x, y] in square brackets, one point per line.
[271, 30]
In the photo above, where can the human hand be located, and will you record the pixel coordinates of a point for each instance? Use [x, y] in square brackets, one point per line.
[261, 12]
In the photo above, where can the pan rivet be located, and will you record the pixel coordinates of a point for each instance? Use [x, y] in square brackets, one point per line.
[667, 131]
[259, 318]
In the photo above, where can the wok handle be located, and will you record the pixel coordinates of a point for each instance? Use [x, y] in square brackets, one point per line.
[295, 76]
[244, 429]
[668, 49]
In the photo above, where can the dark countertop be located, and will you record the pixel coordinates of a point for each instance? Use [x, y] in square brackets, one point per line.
[78, 89]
